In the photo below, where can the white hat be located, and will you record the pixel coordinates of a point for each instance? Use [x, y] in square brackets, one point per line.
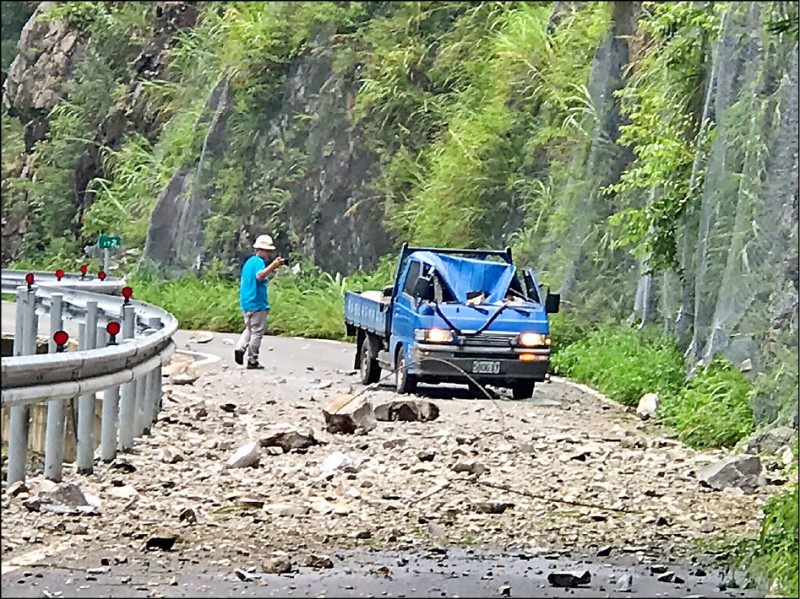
[264, 242]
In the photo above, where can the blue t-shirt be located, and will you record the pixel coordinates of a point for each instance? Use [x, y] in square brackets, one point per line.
[252, 292]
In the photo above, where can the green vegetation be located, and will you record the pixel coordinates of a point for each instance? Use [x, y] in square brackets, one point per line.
[623, 363]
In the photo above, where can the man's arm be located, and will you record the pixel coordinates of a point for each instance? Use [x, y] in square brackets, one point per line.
[267, 270]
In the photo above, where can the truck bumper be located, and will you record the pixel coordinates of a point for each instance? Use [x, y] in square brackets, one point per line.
[438, 363]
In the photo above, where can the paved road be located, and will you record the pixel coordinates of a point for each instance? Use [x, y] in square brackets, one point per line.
[444, 573]
[439, 573]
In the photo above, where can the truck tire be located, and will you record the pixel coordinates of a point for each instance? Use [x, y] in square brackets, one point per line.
[369, 367]
[405, 383]
[523, 390]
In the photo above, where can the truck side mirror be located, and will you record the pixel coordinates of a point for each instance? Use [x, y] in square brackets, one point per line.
[423, 289]
[552, 302]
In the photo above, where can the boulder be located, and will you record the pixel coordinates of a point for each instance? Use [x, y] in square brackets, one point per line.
[347, 414]
[245, 457]
[742, 471]
[65, 499]
[647, 406]
[288, 438]
[407, 411]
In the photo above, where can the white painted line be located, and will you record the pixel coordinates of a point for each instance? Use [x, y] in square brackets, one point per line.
[201, 359]
[30, 558]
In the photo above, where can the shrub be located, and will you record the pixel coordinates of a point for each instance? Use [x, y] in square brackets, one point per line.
[712, 410]
[622, 363]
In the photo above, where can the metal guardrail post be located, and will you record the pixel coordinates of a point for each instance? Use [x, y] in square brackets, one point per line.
[18, 421]
[151, 387]
[85, 457]
[109, 418]
[127, 405]
[54, 430]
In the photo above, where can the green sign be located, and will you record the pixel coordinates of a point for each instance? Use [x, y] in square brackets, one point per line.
[109, 242]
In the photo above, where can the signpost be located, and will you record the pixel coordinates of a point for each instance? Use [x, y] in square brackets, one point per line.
[106, 243]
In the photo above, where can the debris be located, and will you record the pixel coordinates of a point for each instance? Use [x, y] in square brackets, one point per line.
[185, 377]
[245, 457]
[161, 542]
[277, 565]
[189, 515]
[426, 456]
[169, 455]
[666, 577]
[288, 438]
[243, 576]
[201, 337]
[505, 591]
[122, 464]
[17, 488]
[471, 467]
[317, 561]
[65, 499]
[408, 410]
[347, 415]
[569, 579]
[492, 507]
[624, 584]
[340, 461]
[647, 406]
[605, 551]
[769, 441]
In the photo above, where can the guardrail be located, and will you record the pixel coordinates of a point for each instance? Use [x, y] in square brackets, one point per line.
[128, 372]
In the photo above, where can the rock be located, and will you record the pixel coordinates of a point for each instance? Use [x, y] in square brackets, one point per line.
[228, 407]
[769, 441]
[65, 499]
[284, 509]
[505, 591]
[647, 406]
[277, 565]
[426, 456]
[245, 457]
[316, 561]
[408, 410]
[123, 492]
[168, 455]
[492, 507]
[346, 415]
[161, 542]
[122, 464]
[325, 385]
[746, 365]
[605, 551]
[741, 471]
[624, 584]
[185, 377]
[288, 438]
[569, 579]
[392, 443]
[17, 488]
[666, 577]
[471, 467]
[201, 337]
[243, 576]
[787, 456]
[189, 515]
[274, 450]
[340, 461]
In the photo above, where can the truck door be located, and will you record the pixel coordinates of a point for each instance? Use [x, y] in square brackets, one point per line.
[404, 310]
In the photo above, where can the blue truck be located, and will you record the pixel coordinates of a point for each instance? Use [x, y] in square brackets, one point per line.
[452, 312]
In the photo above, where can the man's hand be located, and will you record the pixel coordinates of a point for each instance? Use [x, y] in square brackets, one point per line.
[276, 263]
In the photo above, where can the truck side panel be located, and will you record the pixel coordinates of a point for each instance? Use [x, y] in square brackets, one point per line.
[366, 313]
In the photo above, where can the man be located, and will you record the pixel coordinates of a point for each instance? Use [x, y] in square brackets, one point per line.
[253, 300]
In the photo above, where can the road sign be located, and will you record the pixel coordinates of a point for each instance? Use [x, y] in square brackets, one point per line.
[109, 242]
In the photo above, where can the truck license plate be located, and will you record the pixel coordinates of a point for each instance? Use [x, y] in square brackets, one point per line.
[483, 367]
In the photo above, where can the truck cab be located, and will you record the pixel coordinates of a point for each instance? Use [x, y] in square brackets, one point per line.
[458, 316]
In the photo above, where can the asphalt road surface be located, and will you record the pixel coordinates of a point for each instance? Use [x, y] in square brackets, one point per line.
[441, 572]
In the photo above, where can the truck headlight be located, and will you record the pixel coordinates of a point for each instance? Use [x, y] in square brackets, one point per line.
[533, 339]
[433, 335]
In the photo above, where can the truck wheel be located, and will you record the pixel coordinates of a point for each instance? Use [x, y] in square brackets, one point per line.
[370, 370]
[523, 390]
[406, 383]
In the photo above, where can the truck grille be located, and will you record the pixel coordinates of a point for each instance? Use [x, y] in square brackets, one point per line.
[489, 340]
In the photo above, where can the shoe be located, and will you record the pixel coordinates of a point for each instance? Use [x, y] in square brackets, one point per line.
[238, 356]
[254, 366]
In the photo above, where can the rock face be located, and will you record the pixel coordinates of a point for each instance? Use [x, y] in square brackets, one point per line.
[769, 441]
[407, 411]
[348, 415]
[743, 471]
